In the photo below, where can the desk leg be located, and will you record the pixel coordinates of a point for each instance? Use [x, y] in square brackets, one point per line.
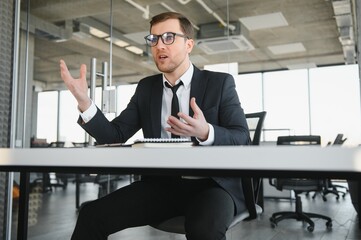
[358, 203]
[77, 191]
[260, 199]
[23, 206]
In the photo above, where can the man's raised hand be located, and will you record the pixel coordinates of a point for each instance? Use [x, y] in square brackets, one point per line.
[77, 86]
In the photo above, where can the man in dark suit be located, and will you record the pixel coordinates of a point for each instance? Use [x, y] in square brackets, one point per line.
[210, 114]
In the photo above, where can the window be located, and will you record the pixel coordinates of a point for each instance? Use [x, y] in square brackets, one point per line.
[286, 103]
[335, 103]
[249, 88]
[69, 130]
[321, 101]
[124, 94]
[47, 116]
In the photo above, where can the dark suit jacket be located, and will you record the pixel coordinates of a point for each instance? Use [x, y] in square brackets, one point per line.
[215, 94]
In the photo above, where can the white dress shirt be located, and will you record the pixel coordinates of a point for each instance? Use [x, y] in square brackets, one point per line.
[183, 94]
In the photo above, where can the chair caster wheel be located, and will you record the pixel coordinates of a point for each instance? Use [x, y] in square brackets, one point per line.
[273, 224]
[329, 225]
[310, 228]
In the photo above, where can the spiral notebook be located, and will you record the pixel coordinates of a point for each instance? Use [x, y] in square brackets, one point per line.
[162, 142]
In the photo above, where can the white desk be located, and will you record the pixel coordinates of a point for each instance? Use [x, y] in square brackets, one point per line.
[268, 158]
[269, 161]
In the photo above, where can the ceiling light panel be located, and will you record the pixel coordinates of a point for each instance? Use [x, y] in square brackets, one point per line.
[287, 48]
[96, 32]
[135, 50]
[265, 21]
[118, 42]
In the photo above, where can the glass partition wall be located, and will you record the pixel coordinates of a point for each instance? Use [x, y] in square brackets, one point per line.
[233, 36]
[79, 36]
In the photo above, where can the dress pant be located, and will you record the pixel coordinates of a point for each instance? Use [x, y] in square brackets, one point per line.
[208, 209]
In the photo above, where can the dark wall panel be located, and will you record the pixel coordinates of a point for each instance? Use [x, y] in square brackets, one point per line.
[6, 59]
[6, 52]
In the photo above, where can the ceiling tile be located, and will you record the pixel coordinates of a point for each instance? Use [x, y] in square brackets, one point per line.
[270, 20]
[287, 48]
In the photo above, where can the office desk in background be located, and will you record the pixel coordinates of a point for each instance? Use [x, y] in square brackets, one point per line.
[250, 161]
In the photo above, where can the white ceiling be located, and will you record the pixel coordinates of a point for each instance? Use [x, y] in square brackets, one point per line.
[284, 33]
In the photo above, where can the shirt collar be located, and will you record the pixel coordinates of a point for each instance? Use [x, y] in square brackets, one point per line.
[186, 77]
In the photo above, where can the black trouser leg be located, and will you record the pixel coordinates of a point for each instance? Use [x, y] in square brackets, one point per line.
[209, 215]
[134, 205]
[208, 209]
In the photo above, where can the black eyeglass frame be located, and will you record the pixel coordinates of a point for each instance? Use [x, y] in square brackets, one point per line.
[162, 36]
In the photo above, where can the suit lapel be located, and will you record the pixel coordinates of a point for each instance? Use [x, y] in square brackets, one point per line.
[198, 86]
[156, 106]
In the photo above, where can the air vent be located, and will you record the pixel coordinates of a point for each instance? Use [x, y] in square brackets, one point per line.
[225, 44]
[214, 38]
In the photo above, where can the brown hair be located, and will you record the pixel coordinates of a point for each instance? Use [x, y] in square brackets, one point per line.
[185, 24]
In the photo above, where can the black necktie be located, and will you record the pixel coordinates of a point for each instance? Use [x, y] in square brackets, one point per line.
[175, 102]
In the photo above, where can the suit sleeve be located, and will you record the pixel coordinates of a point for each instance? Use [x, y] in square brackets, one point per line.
[231, 125]
[119, 130]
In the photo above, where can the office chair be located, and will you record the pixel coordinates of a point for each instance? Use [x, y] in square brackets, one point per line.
[255, 124]
[329, 186]
[107, 183]
[176, 224]
[61, 179]
[298, 186]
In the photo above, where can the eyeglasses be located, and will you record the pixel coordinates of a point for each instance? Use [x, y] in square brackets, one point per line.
[167, 38]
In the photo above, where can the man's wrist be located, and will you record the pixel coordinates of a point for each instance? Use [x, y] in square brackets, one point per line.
[82, 107]
[209, 141]
[89, 113]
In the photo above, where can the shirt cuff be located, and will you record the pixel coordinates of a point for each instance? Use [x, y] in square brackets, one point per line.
[210, 139]
[88, 114]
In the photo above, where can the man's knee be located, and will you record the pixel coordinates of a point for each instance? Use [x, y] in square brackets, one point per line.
[205, 231]
[88, 213]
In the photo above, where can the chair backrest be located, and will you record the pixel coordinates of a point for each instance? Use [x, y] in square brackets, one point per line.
[339, 140]
[58, 144]
[255, 124]
[80, 144]
[298, 140]
[297, 184]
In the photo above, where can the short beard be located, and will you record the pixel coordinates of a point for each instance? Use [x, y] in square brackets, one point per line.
[165, 69]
